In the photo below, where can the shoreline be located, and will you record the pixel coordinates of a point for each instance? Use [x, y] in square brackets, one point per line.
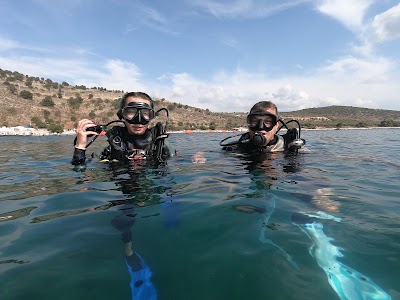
[28, 131]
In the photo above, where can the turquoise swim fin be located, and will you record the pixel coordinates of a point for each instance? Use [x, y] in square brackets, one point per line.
[348, 283]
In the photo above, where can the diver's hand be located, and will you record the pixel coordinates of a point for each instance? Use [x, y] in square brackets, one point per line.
[270, 135]
[199, 158]
[82, 134]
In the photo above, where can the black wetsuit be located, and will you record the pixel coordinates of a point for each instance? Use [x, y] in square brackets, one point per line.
[246, 144]
[124, 146]
[278, 144]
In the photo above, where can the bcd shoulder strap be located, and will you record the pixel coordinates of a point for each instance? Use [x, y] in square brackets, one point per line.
[159, 137]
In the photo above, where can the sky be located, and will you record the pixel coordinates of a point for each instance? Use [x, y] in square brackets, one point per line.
[221, 55]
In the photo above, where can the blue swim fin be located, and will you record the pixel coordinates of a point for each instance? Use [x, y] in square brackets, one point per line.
[141, 286]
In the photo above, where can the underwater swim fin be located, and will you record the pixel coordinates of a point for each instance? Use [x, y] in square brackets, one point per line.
[346, 282]
[141, 286]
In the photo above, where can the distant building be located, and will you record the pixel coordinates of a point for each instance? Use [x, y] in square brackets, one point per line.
[22, 130]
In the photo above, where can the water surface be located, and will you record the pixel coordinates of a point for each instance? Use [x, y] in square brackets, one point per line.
[220, 230]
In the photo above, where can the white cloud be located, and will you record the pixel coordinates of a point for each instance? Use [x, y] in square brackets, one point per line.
[349, 13]
[151, 18]
[47, 67]
[245, 8]
[365, 82]
[9, 44]
[361, 70]
[287, 97]
[153, 15]
[121, 75]
[237, 92]
[386, 25]
[369, 82]
[111, 74]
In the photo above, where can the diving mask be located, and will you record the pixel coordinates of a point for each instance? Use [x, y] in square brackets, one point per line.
[138, 113]
[259, 121]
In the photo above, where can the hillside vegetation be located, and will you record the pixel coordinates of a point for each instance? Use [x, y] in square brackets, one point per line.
[42, 103]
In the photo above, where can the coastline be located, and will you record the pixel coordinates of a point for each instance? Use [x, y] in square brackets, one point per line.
[29, 131]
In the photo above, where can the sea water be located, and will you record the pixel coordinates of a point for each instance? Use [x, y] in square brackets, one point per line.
[322, 225]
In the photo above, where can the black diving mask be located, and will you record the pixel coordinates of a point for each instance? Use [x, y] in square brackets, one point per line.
[259, 121]
[138, 113]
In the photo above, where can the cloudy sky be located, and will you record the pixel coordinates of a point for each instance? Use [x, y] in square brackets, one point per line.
[221, 55]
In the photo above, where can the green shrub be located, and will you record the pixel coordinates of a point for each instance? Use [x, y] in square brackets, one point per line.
[212, 125]
[389, 123]
[38, 122]
[26, 95]
[28, 83]
[75, 102]
[361, 125]
[56, 128]
[46, 113]
[12, 88]
[47, 101]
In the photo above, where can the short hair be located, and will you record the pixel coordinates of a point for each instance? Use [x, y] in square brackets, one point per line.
[139, 95]
[263, 106]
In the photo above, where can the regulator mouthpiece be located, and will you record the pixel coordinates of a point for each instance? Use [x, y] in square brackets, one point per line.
[258, 139]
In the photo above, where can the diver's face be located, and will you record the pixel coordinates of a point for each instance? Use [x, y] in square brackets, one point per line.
[136, 129]
[269, 123]
[268, 118]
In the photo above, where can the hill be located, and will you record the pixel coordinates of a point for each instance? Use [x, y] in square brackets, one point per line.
[42, 103]
[345, 116]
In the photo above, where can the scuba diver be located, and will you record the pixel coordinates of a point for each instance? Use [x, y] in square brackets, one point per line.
[131, 144]
[264, 125]
[263, 138]
[133, 141]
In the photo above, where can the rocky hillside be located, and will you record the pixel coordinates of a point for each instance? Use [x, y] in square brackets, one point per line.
[42, 103]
